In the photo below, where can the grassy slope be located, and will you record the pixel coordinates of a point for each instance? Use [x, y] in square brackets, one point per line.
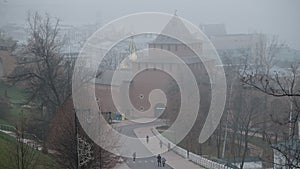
[4, 158]
[6, 147]
[16, 96]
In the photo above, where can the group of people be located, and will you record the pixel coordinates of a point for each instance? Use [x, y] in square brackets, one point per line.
[160, 142]
[161, 161]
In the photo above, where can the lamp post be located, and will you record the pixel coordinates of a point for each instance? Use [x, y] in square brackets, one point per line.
[100, 149]
[291, 89]
[77, 140]
[291, 112]
[109, 118]
[230, 99]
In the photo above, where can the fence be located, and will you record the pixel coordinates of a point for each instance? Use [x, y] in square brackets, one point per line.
[204, 162]
[28, 140]
[7, 128]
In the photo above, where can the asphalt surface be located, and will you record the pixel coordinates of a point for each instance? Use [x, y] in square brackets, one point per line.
[140, 163]
[144, 163]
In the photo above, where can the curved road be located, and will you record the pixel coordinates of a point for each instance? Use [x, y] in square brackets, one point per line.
[140, 163]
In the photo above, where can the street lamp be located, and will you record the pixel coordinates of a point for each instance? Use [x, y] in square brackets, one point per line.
[100, 149]
[109, 118]
[291, 111]
[77, 140]
[230, 99]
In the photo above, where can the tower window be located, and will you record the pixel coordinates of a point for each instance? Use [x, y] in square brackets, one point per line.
[141, 96]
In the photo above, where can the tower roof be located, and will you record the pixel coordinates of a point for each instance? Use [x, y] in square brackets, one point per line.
[174, 28]
[132, 50]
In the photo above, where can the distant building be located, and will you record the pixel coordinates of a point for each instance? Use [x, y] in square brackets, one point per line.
[234, 44]
[213, 29]
[223, 41]
[7, 60]
[16, 32]
[234, 41]
[7, 44]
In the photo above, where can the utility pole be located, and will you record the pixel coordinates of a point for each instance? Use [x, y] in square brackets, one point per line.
[77, 141]
[291, 112]
[290, 118]
[225, 136]
[230, 100]
[100, 113]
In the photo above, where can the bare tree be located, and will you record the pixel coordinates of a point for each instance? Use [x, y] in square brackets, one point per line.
[263, 76]
[22, 155]
[72, 148]
[44, 72]
[245, 117]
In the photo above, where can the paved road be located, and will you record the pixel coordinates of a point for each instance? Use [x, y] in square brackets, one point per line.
[144, 163]
[140, 163]
[128, 129]
[150, 149]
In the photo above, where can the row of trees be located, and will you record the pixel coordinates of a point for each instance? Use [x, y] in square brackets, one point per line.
[263, 77]
[258, 98]
[46, 76]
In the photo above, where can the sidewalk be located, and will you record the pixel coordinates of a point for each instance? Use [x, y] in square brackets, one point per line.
[173, 159]
[121, 166]
[121, 123]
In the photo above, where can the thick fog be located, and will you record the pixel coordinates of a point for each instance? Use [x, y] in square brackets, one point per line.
[270, 16]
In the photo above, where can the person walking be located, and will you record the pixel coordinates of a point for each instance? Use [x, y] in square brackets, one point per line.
[188, 154]
[147, 139]
[160, 143]
[134, 156]
[158, 160]
[163, 160]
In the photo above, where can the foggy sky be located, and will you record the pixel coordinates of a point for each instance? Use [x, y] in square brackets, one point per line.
[278, 17]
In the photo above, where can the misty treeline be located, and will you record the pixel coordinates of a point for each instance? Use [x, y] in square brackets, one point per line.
[262, 92]
[45, 74]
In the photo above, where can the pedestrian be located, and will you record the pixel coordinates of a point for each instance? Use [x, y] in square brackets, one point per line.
[158, 160]
[160, 143]
[147, 139]
[169, 146]
[163, 160]
[134, 156]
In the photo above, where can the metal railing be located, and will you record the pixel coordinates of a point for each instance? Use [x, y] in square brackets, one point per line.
[6, 127]
[204, 162]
